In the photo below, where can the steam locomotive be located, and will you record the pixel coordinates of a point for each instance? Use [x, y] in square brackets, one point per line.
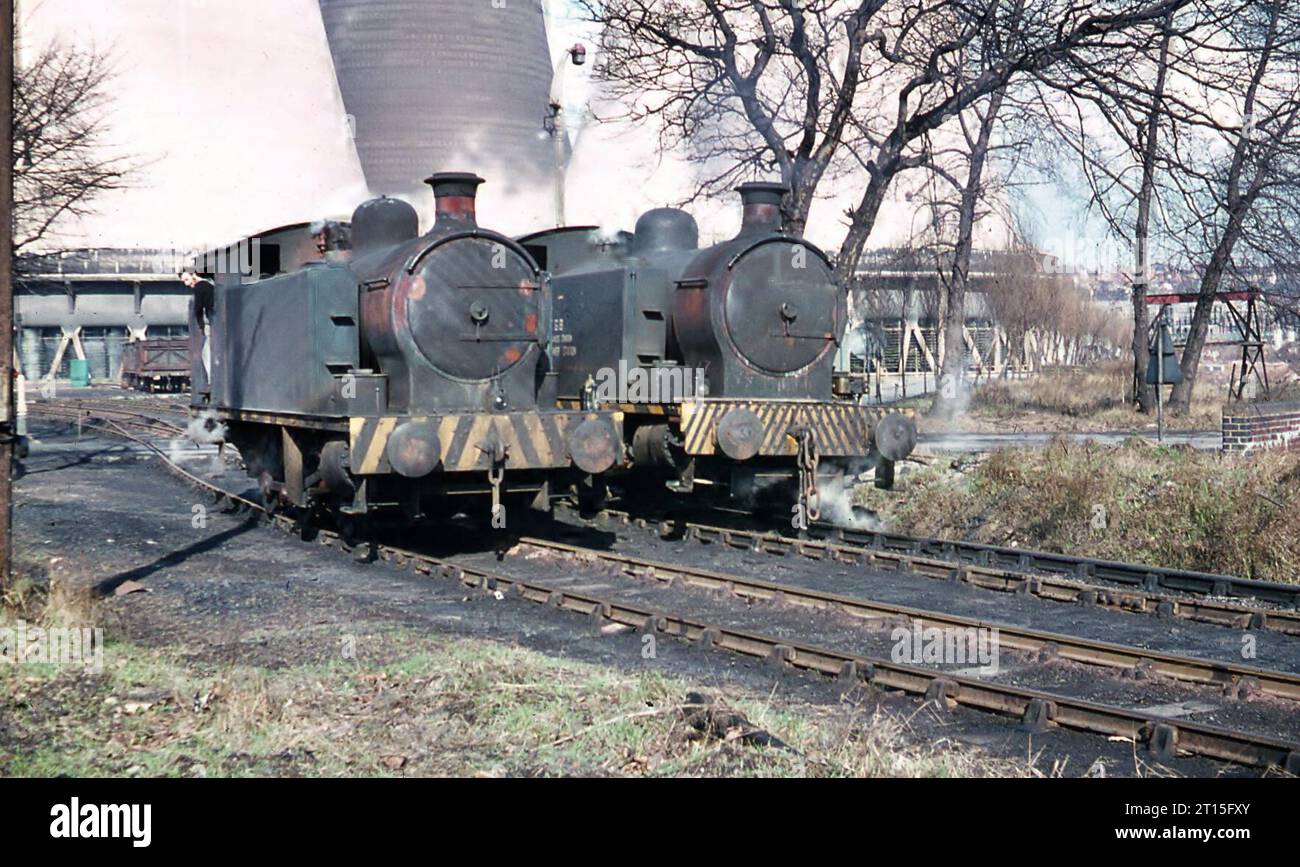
[394, 378]
[732, 347]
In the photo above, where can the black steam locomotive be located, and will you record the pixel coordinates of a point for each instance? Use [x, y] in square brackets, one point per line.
[396, 375]
[720, 358]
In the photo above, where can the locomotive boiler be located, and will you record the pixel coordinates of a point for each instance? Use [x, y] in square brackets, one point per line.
[740, 337]
[398, 376]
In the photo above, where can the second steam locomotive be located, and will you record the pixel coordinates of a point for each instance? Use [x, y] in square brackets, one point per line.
[721, 358]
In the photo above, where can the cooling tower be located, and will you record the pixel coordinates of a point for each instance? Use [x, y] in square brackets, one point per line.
[434, 85]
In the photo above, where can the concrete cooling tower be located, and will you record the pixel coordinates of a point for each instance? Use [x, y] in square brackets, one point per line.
[438, 85]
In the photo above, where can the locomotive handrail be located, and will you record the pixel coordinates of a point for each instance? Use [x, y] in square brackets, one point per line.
[772, 239]
[499, 338]
[533, 236]
[824, 335]
[417, 258]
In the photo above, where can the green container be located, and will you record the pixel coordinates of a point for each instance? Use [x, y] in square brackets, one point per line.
[79, 372]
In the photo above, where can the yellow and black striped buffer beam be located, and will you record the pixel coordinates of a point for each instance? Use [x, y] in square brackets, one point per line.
[532, 440]
[839, 429]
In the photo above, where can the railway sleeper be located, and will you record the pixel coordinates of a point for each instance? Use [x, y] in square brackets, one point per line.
[1039, 716]
[780, 655]
[942, 693]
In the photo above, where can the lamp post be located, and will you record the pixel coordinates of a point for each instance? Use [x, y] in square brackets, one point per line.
[555, 122]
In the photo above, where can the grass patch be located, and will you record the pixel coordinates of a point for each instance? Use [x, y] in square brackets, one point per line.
[1092, 398]
[1167, 506]
[428, 706]
[411, 703]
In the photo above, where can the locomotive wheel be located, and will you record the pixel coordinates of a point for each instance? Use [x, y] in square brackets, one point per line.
[309, 520]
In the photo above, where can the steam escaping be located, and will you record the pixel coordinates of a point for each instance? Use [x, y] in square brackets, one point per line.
[203, 430]
[838, 508]
[609, 233]
[855, 341]
[206, 429]
[954, 395]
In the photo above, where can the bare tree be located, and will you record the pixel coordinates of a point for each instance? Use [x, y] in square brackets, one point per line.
[61, 161]
[962, 168]
[749, 88]
[1043, 306]
[1198, 153]
[1240, 181]
[809, 88]
[1146, 150]
[1111, 116]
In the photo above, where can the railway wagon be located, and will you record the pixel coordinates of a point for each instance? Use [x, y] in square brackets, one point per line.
[720, 358]
[156, 365]
[403, 377]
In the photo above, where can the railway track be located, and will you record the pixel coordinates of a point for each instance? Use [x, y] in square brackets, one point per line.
[85, 412]
[1044, 644]
[1188, 594]
[923, 559]
[1049, 564]
[1037, 709]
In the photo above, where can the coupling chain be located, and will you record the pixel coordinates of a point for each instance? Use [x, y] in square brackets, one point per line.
[806, 461]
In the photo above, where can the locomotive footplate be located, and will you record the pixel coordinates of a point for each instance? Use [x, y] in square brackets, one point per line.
[771, 428]
[414, 446]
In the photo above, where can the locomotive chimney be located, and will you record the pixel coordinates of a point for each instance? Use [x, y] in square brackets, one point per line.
[762, 204]
[454, 194]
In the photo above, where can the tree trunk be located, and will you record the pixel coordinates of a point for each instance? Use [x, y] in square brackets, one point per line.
[951, 395]
[803, 184]
[1181, 399]
[1145, 394]
[1237, 202]
[882, 172]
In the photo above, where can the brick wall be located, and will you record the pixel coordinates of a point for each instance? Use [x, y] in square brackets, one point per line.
[1248, 427]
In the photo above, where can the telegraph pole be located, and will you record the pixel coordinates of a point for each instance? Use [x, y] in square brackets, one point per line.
[8, 418]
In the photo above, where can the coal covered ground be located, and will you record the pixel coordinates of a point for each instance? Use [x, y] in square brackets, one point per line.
[120, 515]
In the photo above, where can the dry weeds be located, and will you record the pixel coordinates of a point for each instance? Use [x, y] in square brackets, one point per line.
[1137, 502]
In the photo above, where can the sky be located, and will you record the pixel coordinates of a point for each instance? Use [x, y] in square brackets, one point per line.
[608, 157]
[229, 106]
[232, 110]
